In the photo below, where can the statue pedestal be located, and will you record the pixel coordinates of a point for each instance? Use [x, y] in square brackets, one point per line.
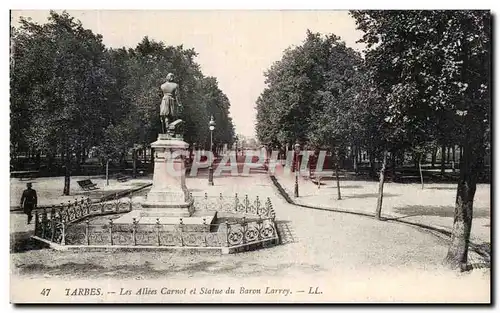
[168, 200]
[168, 196]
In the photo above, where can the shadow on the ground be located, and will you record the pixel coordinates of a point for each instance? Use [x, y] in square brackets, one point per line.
[436, 210]
[22, 242]
[347, 187]
[368, 195]
[219, 265]
[442, 188]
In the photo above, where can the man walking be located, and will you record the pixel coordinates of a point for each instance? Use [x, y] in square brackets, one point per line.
[29, 201]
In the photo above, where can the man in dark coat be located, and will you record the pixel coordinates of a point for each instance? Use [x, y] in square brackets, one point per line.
[29, 201]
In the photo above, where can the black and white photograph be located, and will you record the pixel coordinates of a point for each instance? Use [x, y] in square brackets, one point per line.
[250, 156]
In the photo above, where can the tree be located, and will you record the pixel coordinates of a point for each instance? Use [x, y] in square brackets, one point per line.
[322, 93]
[431, 64]
[71, 94]
[60, 87]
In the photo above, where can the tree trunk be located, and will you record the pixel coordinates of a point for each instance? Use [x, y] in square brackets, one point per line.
[443, 152]
[339, 197]
[107, 172]
[78, 158]
[372, 164]
[67, 173]
[453, 162]
[462, 222]
[393, 165]
[134, 163]
[471, 166]
[433, 160]
[38, 159]
[83, 156]
[378, 211]
[50, 161]
[355, 160]
[420, 170]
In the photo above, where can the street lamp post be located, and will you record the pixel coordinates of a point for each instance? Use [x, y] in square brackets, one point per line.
[297, 169]
[211, 126]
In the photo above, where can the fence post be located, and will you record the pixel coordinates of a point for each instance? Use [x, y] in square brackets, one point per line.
[181, 230]
[77, 210]
[83, 207]
[269, 207]
[205, 232]
[44, 222]
[88, 205]
[236, 202]
[117, 203]
[69, 208]
[53, 223]
[257, 205]
[111, 231]
[227, 233]
[37, 224]
[134, 231]
[244, 228]
[87, 231]
[247, 202]
[259, 228]
[158, 231]
[63, 234]
[206, 201]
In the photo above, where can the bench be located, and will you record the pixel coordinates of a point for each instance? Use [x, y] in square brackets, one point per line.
[318, 175]
[138, 171]
[25, 174]
[87, 185]
[122, 178]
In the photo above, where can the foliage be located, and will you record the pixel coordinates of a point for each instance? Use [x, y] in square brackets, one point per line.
[434, 67]
[71, 93]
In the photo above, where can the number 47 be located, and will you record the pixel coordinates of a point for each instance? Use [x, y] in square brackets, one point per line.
[45, 292]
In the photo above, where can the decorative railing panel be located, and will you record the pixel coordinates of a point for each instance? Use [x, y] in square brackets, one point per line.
[134, 234]
[53, 224]
[236, 204]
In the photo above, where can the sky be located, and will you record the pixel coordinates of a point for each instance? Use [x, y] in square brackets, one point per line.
[236, 47]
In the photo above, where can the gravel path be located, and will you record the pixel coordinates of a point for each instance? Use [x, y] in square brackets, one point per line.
[434, 205]
[351, 256]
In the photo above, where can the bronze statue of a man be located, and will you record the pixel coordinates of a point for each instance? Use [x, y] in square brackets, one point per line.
[170, 102]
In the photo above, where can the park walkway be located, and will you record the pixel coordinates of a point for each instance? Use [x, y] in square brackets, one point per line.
[347, 255]
[433, 205]
[49, 189]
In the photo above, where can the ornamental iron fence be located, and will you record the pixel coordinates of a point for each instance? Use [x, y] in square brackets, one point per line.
[70, 225]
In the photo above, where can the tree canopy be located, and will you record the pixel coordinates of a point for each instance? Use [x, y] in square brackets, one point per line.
[71, 92]
[424, 81]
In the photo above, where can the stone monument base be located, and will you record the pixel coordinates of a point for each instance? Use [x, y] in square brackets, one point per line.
[169, 195]
[200, 221]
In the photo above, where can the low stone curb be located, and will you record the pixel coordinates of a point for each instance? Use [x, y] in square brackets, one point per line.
[443, 232]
